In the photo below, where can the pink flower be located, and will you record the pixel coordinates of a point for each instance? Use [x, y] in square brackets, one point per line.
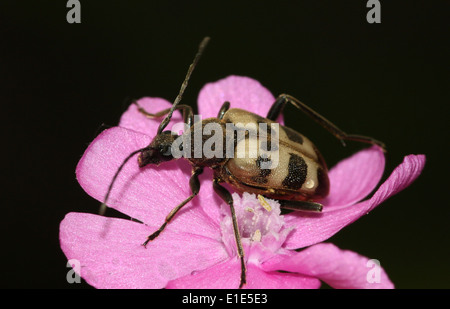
[197, 249]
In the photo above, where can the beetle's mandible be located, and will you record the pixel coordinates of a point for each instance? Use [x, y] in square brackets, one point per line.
[298, 181]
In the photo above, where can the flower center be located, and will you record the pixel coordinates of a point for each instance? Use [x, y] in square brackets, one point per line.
[261, 227]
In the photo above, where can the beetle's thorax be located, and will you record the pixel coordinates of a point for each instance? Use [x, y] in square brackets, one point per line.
[159, 150]
[207, 143]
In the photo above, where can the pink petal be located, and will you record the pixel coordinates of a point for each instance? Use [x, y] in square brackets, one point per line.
[340, 269]
[314, 228]
[134, 120]
[111, 255]
[401, 178]
[226, 275]
[354, 178]
[242, 92]
[148, 193]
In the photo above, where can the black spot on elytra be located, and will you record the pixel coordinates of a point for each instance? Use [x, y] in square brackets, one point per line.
[297, 171]
[293, 135]
[263, 172]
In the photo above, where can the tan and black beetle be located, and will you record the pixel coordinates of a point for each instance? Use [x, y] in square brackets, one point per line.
[299, 180]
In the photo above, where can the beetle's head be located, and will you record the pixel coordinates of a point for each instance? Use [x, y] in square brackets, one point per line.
[159, 150]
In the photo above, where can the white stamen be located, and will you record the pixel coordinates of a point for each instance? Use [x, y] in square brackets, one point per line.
[264, 203]
[256, 236]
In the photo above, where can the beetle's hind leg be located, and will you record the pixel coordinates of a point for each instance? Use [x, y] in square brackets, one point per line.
[194, 183]
[280, 103]
[226, 196]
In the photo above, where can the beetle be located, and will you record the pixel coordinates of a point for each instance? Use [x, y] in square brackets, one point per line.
[298, 181]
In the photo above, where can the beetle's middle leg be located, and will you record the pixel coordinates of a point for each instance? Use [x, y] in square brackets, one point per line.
[226, 196]
[280, 103]
[194, 183]
[225, 107]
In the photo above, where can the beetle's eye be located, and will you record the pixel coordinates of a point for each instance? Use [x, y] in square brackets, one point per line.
[166, 151]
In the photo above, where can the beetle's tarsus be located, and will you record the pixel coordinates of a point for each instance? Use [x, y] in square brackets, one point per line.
[242, 283]
[154, 235]
[144, 244]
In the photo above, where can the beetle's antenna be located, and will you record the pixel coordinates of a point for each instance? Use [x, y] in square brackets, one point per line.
[201, 48]
[103, 206]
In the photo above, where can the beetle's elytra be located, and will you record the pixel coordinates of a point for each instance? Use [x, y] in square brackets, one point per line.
[299, 180]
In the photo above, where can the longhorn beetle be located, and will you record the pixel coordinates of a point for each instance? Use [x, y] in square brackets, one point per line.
[298, 182]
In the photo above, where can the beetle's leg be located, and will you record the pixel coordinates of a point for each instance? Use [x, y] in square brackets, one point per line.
[226, 196]
[301, 206]
[223, 109]
[188, 114]
[194, 183]
[278, 106]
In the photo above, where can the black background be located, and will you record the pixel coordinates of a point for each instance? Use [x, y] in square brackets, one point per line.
[60, 82]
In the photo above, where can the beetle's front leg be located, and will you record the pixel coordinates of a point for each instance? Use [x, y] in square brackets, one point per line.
[226, 196]
[280, 103]
[194, 183]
